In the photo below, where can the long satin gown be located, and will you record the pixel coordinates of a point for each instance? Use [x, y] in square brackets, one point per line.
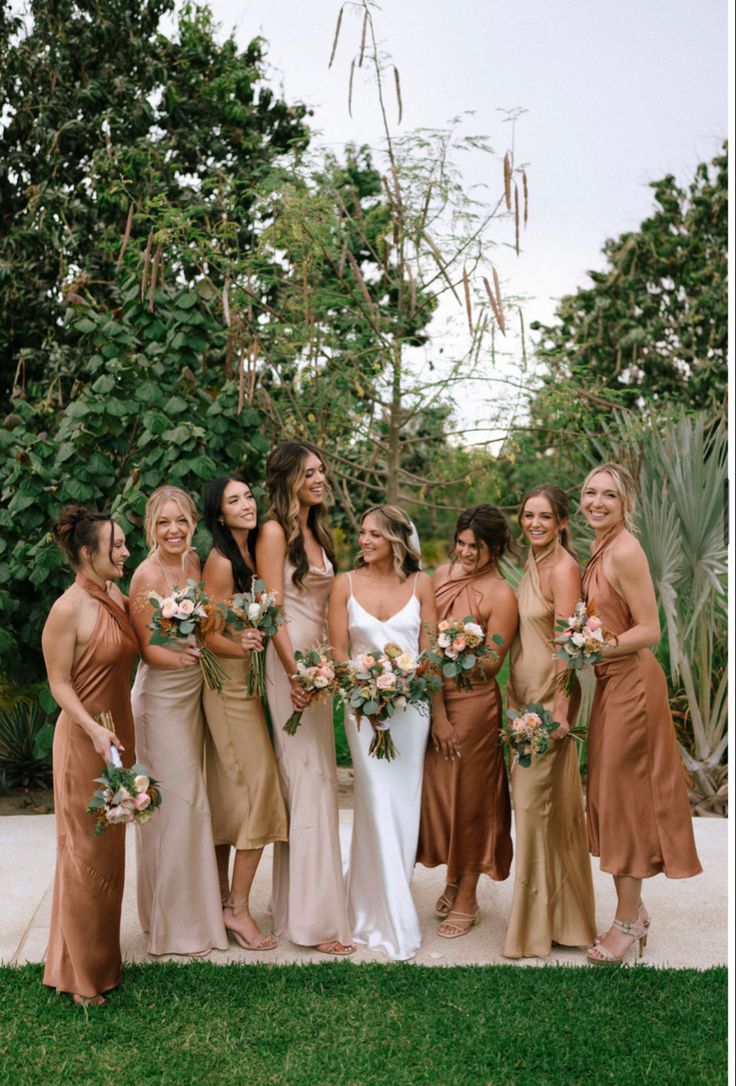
[308, 897]
[553, 883]
[639, 820]
[243, 786]
[387, 798]
[179, 902]
[83, 954]
[466, 811]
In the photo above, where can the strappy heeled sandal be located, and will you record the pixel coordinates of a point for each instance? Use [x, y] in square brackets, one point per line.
[601, 955]
[266, 942]
[458, 927]
[443, 905]
[646, 922]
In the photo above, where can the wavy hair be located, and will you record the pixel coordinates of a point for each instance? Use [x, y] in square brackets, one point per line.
[625, 488]
[489, 526]
[559, 504]
[155, 503]
[222, 537]
[77, 527]
[395, 526]
[285, 475]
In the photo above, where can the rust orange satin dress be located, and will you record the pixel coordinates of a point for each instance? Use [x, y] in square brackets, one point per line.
[83, 954]
[466, 811]
[639, 820]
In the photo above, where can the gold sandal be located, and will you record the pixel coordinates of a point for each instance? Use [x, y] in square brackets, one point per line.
[601, 955]
[443, 906]
[467, 921]
[266, 942]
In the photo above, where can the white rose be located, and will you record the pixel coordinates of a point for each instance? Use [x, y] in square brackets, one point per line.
[473, 628]
[320, 681]
[443, 640]
[577, 639]
[118, 815]
[254, 611]
[406, 661]
[186, 607]
[141, 783]
[169, 607]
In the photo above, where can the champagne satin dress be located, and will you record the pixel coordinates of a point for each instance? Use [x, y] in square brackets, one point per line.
[466, 812]
[553, 884]
[83, 954]
[178, 886]
[243, 786]
[308, 902]
[639, 820]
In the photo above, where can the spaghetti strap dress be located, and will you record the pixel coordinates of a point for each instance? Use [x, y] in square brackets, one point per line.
[639, 821]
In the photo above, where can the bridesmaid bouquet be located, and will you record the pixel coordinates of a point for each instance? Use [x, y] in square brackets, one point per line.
[187, 615]
[528, 732]
[125, 795]
[579, 641]
[379, 683]
[458, 647]
[317, 673]
[256, 610]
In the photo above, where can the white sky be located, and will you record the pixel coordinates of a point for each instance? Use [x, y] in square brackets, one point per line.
[618, 93]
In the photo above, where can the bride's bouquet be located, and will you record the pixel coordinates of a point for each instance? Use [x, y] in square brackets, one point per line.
[379, 683]
[579, 641]
[458, 648]
[186, 615]
[256, 610]
[528, 732]
[317, 673]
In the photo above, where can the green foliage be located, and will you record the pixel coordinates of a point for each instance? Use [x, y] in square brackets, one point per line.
[26, 737]
[100, 113]
[467, 1026]
[154, 409]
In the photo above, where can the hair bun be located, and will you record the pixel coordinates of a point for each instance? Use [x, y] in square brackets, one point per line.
[67, 520]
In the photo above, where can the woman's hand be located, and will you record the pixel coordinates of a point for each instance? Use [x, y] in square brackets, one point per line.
[189, 657]
[563, 729]
[252, 640]
[300, 698]
[103, 740]
[445, 738]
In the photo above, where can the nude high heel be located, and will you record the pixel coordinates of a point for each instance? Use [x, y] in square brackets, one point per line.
[601, 955]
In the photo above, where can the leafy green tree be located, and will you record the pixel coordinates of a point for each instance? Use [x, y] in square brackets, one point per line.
[654, 324]
[101, 113]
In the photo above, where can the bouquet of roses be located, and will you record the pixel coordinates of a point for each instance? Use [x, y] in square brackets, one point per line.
[187, 615]
[317, 673]
[458, 647]
[579, 641]
[125, 795]
[380, 682]
[528, 731]
[257, 610]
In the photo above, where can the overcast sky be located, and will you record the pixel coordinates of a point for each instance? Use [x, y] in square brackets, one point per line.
[618, 93]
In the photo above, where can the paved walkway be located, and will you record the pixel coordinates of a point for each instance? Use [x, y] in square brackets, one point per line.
[689, 926]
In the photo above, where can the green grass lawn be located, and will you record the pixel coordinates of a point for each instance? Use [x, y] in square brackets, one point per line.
[402, 1025]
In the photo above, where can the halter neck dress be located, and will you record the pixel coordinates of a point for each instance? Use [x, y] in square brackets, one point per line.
[83, 954]
[387, 798]
[466, 811]
[553, 885]
[639, 820]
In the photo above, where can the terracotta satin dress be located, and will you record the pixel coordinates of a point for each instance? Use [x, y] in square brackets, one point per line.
[243, 786]
[639, 820]
[83, 954]
[466, 812]
[553, 884]
[308, 900]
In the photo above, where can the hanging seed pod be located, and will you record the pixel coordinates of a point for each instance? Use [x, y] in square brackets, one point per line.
[363, 37]
[350, 87]
[525, 189]
[337, 36]
[507, 179]
[154, 278]
[146, 263]
[499, 300]
[397, 81]
[468, 306]
[226, 300]
[126, 238]
[516, 217]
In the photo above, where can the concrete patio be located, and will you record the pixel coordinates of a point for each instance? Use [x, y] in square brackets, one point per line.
[689, 926]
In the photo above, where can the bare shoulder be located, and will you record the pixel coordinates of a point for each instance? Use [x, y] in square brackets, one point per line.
[144, 577]
[499, 593]
[565, 571]
[441, 574]
[215, 562]
[626, 550]
[271, 532]
[66, 607]
[424, 584]
[117, 595]
[341, 586]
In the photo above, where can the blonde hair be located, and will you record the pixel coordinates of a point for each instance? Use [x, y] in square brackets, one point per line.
[625, 488]
[154, 505]
[395, 526]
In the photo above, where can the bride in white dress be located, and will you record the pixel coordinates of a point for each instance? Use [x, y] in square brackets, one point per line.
[385, 599]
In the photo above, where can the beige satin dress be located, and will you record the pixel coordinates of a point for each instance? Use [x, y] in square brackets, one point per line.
[243, 786]
[639, 820]
[308, 900]
[83, 954]
[553, 887]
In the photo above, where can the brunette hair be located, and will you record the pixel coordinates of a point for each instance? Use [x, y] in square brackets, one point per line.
[157, 500]
[77, 527]
[397, 528]
[625, 487]
[285, 474]
[222, 537]
[489, 526]
[559, 504]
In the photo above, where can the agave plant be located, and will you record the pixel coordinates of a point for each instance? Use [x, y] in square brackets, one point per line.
[682, 485]
[26, 735]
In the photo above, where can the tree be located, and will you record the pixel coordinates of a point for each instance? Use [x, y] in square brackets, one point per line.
[654, 325]
[101, 113]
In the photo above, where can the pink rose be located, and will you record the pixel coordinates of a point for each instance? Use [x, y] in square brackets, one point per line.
[386, 681]
[594, 623]
[118, 815]
[459, 644]
[142, 800]
[186, 607]
[169, 608]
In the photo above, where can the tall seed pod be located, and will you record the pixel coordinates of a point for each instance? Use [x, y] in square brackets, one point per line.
[126, 238]
[397, 81]
[350, 87]
[516, 216]
[507, 179]
[154, 278]
[499, 300]
[146, 264]
[468, 306]
[241, 378]
[525, 189]
[226, 300]
[337, 36]
[523, 339]
[363, 36]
